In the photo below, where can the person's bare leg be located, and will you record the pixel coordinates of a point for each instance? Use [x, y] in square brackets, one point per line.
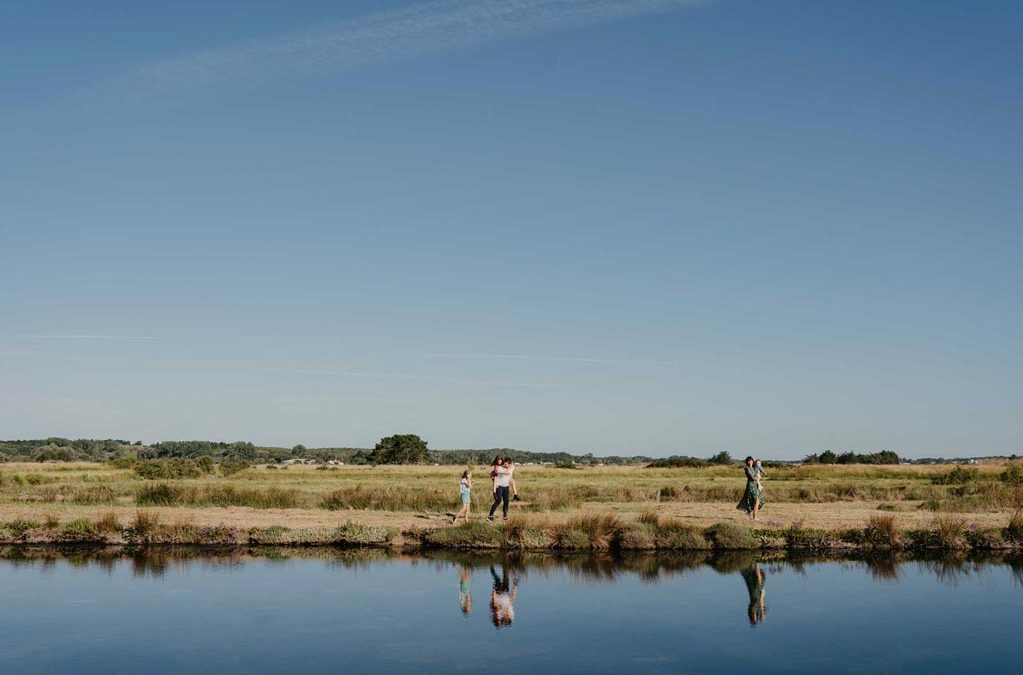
[756, 509]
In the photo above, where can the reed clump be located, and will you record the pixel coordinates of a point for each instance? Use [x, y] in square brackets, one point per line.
[881, 532]
[951, 533]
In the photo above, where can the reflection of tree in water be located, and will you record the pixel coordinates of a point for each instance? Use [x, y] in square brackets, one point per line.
[754, 577]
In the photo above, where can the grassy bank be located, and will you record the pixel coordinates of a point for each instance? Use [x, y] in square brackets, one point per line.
[592, 532]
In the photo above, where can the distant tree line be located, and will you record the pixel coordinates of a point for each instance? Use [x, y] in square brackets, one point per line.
[401, 448]
[829, 457]
[684, 461]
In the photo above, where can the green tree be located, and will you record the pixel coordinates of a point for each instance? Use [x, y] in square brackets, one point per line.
[722, 458]
[828, 457]
[399, 449]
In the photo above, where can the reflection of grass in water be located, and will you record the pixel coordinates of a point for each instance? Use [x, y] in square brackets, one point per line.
[155, 561]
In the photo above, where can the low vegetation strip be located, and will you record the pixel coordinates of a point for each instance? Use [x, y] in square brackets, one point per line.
[590, 532]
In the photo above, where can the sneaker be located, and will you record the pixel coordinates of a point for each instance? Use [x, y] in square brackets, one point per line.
[490, 518]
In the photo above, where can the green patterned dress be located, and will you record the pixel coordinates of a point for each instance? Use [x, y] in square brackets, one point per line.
[752, 495]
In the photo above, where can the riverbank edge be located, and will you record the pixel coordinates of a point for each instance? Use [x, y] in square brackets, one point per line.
[599, 532]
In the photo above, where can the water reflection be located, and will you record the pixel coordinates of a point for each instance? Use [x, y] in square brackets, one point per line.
[754, 577]
[506, 569]
[465, 589]
[502, 598]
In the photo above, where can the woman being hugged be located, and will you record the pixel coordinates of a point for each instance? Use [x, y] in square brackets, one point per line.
[465, 492]
[751, 501]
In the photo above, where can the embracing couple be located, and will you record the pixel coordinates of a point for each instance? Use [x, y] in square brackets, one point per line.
[503, 476]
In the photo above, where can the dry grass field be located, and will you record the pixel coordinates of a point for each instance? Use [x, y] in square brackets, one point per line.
[404, 497]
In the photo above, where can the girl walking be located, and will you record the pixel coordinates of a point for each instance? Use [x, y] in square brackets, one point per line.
[465, 492]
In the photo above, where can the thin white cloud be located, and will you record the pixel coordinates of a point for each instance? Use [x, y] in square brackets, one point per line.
[79, 336]
[429, 27]
[411, 377]
[561, 359]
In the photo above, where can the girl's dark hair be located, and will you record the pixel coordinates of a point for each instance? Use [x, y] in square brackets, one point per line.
[748, 460]
[498, 460]
[465, 474]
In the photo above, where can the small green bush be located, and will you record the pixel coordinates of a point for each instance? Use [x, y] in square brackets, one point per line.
[19, 527]
[1013, 474]
[81, 527]
[355, 534]
[171, 468]
[730, 536]
[230, 467]
[959, 475]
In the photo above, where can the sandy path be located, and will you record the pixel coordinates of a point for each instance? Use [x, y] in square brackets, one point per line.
[835, 515]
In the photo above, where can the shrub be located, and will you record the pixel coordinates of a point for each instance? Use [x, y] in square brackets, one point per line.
[679, 536]
[638, 538]
[124, 462]
[230, 467]
[81, 527]
[474, 534]
[51, 522]
[355, 534]
[959, 475]
[19, 527]
[1013, 474]
[730, 536]
[678, 461]
[172, 468]
[206, 464]
[573, 539]
[881, 532]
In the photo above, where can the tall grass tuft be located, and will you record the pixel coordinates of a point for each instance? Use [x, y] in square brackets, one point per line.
[602, 530]
[1014, 531]
[146, 523]
[881, 532]
[107, 524]
[951, 532]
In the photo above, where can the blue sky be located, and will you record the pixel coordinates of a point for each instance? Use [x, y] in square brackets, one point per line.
[621, 227]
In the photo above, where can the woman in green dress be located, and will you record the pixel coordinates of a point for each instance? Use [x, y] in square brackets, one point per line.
[751, 499]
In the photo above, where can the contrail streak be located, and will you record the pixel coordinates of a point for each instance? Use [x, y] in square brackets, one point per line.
[432, 27]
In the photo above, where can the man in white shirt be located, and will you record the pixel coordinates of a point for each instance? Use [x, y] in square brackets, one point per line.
[502, 487]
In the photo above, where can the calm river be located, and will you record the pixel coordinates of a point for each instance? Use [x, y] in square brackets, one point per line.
[300, 611]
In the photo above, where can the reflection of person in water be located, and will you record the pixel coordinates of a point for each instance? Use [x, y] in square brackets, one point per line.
[754, 578]
[465, 590]
[502, 599]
